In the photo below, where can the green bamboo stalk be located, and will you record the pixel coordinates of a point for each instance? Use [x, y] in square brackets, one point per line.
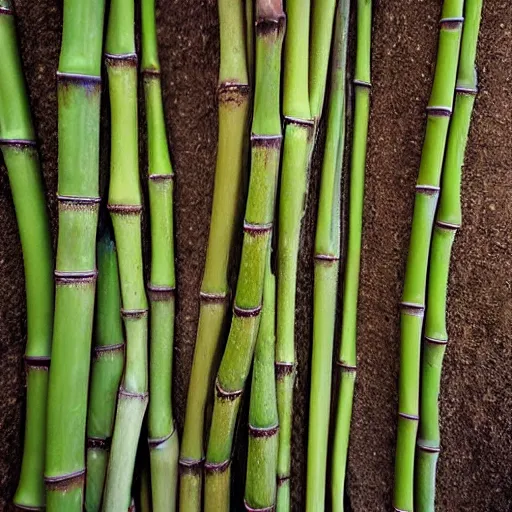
[145, 490]
[326, 263]
[107, 367]
[260, 486]
[413, 299]
[233, 99]
[163, 436]
[124, 204]
[18, 147]
[347, 360]
[79, 90]
[249, 38]
[266, 144]
[448, 221]
[294, 181]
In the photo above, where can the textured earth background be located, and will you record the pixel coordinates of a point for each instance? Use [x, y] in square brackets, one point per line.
[474, 468]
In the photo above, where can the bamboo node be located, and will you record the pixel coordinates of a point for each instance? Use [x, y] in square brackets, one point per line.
[428, 449]
[271, 508]
[362, 83]
[224, 394]
[121, 59]
[150, 73]
[155, 442]
[18, 143]
[65, 482]
[106, 349]
[161, 177]
[99, 443]
[282, 479]
[213, 298]
[327, 259]
[439, 111]
[464, 89]
[8, 11]
[452, 23]
[410, 417]
[412, 309]
[299, 121]
[37, 362]
[449, 226]
[88, 80]
[233, 92]
[78, 200]
[283, 369]
[435, 341]
[345, 367]
[160, 293]
[124, 209]
[263, 431]
[131, 394]
[246, 312]
[70, 277]
[257, 229]
[429, 190]
[134, 313]
[217, 467]
[190, 466]
[18, 506]
[400, 510]
[266, 141]
[270, 22]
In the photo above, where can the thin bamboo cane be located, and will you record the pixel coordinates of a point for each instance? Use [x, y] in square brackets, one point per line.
[17, 144]
[260, 486]
[233, 98]
[298, 132]
[266, 145]
[163, 436]
[107, 367]
[79, 90]
[124, 204]
[413, 299]
[326, 263]
[448, 221]
[347, 360]
[145, 490]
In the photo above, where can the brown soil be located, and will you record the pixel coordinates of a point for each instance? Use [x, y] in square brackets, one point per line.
[474, 470]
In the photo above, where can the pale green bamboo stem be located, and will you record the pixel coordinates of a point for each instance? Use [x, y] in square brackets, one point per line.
[448, 221]
[413, 298]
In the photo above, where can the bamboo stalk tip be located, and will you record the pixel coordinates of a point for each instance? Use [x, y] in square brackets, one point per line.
[270, 17]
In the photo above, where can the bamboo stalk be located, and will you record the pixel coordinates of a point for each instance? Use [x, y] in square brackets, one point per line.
[233, 98]
[79, 90]
[326, 263]
[163, 436]
[107, 367]
[448, 221]
[260, 486]
[124, 204]
[236, 362]
[413, 299]
[18, 147]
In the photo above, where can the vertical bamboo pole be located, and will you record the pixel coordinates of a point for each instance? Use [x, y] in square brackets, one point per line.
[79, 89]
[163, 437]
[259, 214]
[448, 221]
[107, 367]
[124, 204]
[233, 98]
[413, 299]
[17, 144]
[326, 264]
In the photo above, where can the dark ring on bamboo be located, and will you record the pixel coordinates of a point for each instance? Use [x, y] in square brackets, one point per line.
[281, 479]
[64, 481]
[27, 507]
[399, 509]
[299, 121]
[411, 417]
[428, 449]
[435, 341]
[451, 23]
[217, 467]
[99, 443]
[132, 394]
[79, 199]
[412, 309]
[119, 59]
[154, 442]
[362, 83]
[263, 431]
[246, 312]
[78, 77]
[124, 209]
[439, 111]
[161, 177]
[105, 349]
[223, 394]
[264, 509]
[447, 225]
[266, 141]
[268, 25]
[42, 362]
[190, 466]
[214, 298]
[283, 368]
[72, 277]
[257, 229]
[346, 367]
[428, 190]
[9, 12]
[230, 87]
[150, 73]
[22, 143]
[472, 91]
[159, 293]
[134, 313]
[326, 258]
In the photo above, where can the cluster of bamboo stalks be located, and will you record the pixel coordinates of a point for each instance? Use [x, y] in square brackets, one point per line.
[86, 412]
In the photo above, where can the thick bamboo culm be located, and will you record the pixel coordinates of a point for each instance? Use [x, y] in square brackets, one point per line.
[448, 221]
[326, 265]
[266, 147]
[347, 359]
[79, 90]
[106, 368]
[294, 181]
[18, 148]
[413, 298]
[261, 484]
[233, 98]
[124, 204]
[163, 436]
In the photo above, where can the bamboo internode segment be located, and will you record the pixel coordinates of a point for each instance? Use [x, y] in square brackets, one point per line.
[237, 358]
[427, 191]
[448, 220]
[18, 148]
[233, 99]
[78, 92]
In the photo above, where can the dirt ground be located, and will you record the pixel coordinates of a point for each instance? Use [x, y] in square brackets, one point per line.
[474, 468]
